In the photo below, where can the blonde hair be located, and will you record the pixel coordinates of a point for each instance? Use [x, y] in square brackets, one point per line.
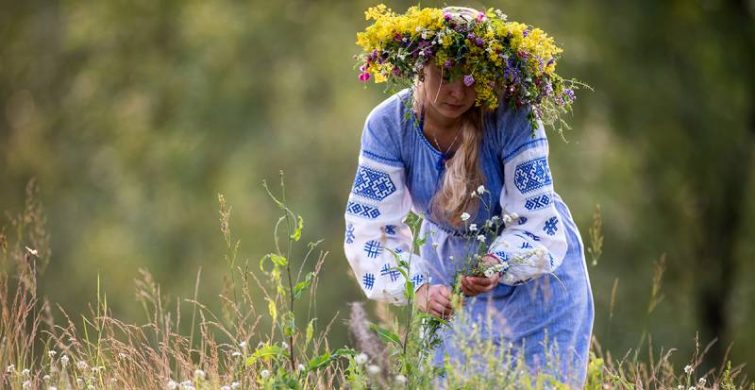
[462, 173]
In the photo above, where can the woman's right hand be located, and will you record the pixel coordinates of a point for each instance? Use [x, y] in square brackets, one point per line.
[434, 299]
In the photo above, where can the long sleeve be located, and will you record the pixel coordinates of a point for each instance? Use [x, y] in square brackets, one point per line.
[534, 243]
[377, 205]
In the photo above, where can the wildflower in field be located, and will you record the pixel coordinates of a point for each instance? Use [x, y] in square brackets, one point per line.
[52, 388]
[284, 345]
[236, 354]
[64, 360]
[79, 382]
[506, 219]
[513, 216]
[701, 382]
[373, 369]
[242, 344]
[46, 378]
[235, 385]
[199, 374]
[481, 238]
[481, 189]
[25, 372]
[82, 365]
[300, 367]
[688, 369]
[51, 354]
[10, 369]
[171, 385]
[226, 387]
[400, 379]
[361, 358]
[26, 385]
[265, 374]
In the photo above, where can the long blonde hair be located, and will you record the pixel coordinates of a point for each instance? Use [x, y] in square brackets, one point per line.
[462, 173]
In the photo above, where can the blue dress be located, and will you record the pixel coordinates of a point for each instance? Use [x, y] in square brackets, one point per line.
[542, 310]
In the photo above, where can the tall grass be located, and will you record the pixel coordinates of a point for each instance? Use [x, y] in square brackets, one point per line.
[236, 349]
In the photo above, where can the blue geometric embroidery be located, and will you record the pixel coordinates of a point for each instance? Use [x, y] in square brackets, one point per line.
[502, 255]
[550, 226]
[373, 184]
[522, 220]
[532, 236]
[390, 271]
[349, 234]
[417, 279]
[390, 229]
[373, 248]
[362, 210]
[526, 245]
[369, 281]
[398, 250]
[537, 202]
[531, 175]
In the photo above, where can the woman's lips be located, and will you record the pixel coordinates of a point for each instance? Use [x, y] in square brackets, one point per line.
[453, 106]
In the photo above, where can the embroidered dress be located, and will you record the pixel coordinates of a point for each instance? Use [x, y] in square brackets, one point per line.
[543, 306]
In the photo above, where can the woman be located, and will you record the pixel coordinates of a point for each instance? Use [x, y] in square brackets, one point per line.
[465, 148]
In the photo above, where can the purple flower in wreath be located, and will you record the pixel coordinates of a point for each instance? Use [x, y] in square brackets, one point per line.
[479, 42]
[569, 95]
[448, 64]
[468, 80]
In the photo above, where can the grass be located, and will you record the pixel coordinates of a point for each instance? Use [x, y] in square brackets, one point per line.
[233, 349]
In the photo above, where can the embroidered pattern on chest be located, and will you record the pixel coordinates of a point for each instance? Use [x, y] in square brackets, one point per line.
[393, 273]
[551, 226]
[362, 210]
[531, 175]
[373, 184]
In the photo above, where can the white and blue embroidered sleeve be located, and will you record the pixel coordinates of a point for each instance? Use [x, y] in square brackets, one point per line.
[375, 231]
[534, 243]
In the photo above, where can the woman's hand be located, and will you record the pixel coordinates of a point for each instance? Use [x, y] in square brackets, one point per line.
[474, 285]
[435, 300]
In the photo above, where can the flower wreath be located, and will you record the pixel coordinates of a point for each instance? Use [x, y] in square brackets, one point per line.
[502, 59]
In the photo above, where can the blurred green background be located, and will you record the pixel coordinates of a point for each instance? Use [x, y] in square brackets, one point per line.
[134, 115]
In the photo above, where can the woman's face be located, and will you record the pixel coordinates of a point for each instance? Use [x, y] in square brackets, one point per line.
[453, 99]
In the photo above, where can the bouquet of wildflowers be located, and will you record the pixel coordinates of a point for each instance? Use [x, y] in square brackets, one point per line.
[501, 59]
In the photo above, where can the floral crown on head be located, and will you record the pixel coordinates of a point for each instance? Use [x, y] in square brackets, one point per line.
[501, 59]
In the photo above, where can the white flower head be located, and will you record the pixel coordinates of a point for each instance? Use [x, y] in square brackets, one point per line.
[465, 216]
[79, 382]
[51, 353]
[226, 387]
[400, 379]
[284, 345]
[473, 194]
[242, 344]
[25, 372]
[514, 216]
[64, 360]
[52, 388]
[473, 227]
[171, 385]
[235, 385]
[46, 378]
[688, 369]
[701, 382]
[691, 388]
[680, 387]
[489, 272]
[199, 374]
[10, 369]
[373, 369]
[481, 238]
[26, 385]
[300, 367]
[506, 219]
[236, 354]
[481, 190]
[361, 358]
[82, 365]
[265, 374]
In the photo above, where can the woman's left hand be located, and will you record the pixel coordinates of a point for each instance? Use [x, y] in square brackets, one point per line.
[474, 285]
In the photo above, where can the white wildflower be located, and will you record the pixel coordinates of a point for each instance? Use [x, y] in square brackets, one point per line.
[242, 344]
[52, 388]
[688, 369]
[473, 227]
[236, 354]
[25, 372]
[465, 216]
[235, 385]
[691, 388]
[361, 358]
[489, 272]
[79, 382]
[481, 190]
[300, 367]
[226, 387]
[199, 374]
[32, 252]
[82, 365]
[26, 385]
[64, 360]
[284, 345]
[10, 369]
[680, 387]
[122, 355]
[400, 379]
[495, 218]
[187, 383]
[260, 345]
[51, 354]
[373, 369]
[46, 378]
[171, 385]
[701, 382]
[481, 238]
[265, 374]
